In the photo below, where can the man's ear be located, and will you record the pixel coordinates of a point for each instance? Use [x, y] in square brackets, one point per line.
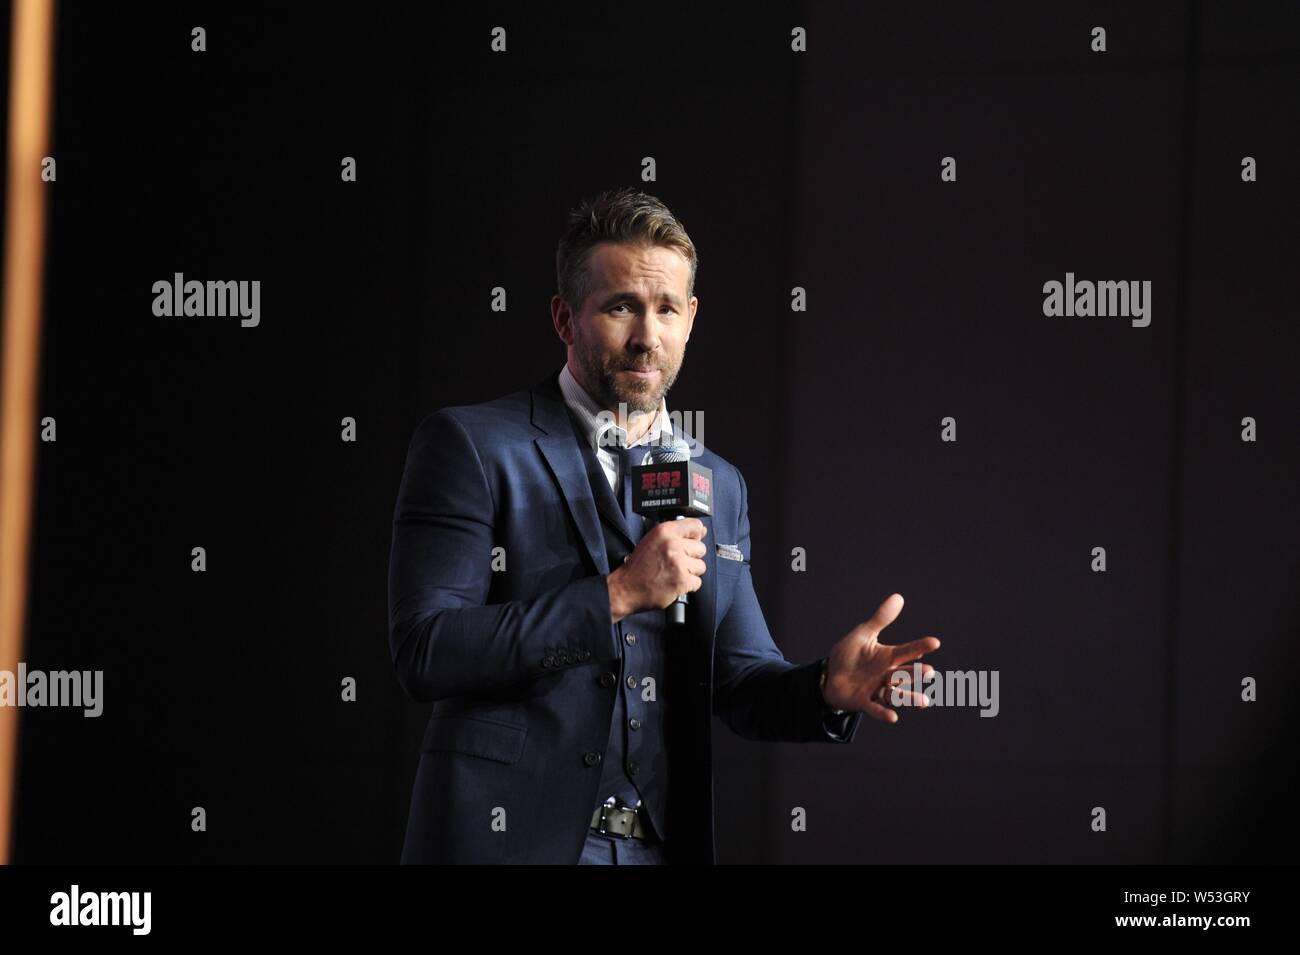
[690, 319]
[562, 319]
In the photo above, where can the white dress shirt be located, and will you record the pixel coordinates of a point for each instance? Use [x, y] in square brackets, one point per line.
[588, 412]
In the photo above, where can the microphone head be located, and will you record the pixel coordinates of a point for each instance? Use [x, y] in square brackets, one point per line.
[674, 453]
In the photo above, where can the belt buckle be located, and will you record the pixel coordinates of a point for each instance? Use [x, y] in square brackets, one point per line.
[607, 808]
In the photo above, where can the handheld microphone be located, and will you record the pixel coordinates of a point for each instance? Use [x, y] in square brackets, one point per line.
[669, 485]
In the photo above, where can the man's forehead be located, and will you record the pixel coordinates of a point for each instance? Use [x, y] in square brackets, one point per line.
[623, 264]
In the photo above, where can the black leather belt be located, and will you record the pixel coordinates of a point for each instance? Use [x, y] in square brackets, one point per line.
[623, 823]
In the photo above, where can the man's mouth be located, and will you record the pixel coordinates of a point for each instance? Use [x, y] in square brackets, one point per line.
[643, 372]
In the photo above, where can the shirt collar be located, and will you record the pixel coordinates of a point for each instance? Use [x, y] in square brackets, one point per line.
[596, 421]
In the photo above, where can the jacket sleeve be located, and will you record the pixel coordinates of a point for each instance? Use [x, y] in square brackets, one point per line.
[757, 692]
[444, 640]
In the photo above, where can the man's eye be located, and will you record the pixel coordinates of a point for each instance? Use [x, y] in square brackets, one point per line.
[665, 308]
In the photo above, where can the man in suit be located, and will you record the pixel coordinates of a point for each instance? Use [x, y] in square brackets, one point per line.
[571, 719]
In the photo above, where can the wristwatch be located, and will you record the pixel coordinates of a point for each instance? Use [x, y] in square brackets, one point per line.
[826, 662]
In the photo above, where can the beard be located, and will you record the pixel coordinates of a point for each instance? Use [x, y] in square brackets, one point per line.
[611, 388]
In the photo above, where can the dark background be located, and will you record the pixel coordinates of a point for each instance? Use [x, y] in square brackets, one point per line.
[821, 170]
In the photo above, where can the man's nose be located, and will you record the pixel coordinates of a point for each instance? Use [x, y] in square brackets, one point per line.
[645, 334]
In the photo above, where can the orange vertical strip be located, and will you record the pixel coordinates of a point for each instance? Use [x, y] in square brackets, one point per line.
[31, 45]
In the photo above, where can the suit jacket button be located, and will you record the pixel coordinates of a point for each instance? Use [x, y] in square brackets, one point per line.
[634, 723]
[632, 768]
[607, 680]
[631, 683]
[630, 639]
[591, 759]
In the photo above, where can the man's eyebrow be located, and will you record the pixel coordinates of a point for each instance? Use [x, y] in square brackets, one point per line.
[614, 297]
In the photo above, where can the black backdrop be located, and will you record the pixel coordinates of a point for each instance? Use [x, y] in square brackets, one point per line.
[821, 170]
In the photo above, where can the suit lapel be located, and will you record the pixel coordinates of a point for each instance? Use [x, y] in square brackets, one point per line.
[606, 503]
[576, 470]
[559, 447]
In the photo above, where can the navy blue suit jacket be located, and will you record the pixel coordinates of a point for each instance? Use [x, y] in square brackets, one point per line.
[511, 658]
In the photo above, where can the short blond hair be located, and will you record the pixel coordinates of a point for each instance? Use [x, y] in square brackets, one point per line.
[618, 215]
